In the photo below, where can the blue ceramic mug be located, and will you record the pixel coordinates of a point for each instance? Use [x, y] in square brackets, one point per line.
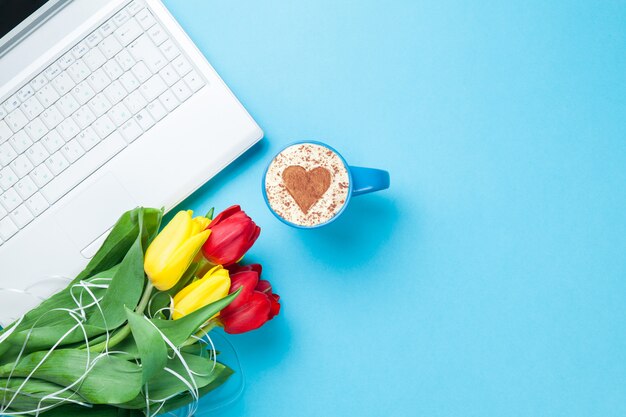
[309, 184]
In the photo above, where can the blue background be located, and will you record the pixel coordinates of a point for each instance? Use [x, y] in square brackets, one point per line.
[490, 280]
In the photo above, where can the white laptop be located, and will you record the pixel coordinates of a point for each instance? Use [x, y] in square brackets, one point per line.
[105, 105]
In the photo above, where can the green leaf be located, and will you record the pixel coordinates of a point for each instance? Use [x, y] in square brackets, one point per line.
[122, 236]
[43, 315]
[32, 395]
[110, 379]
[165, 385]
[41, 338]
[222, 372]
[150, 344]
[124, 290]
[210, 213]
[178, 331]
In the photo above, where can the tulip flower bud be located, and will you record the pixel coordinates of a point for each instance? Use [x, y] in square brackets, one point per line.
[255, 304]
[172, 251]
[232, 234]
[212, 287]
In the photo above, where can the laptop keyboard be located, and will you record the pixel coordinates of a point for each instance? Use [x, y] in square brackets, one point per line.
[86, 107]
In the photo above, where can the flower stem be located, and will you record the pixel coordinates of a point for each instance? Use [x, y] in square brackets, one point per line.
[124, 331]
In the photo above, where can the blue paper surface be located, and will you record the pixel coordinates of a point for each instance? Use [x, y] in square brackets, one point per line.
[490, 280]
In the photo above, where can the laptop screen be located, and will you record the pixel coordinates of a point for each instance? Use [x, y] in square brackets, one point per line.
[14, 12]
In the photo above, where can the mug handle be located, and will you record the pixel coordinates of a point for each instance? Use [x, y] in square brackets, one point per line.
[368, 180]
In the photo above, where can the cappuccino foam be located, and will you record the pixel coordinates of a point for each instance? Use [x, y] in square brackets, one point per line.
[298, 186]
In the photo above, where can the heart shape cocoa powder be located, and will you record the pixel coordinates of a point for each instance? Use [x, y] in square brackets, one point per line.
[306, 187]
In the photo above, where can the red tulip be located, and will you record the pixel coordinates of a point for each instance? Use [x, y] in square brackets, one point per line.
[232, 234]
[254, 306]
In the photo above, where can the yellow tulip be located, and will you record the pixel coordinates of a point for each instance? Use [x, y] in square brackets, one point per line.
[212, 287]
[175, 247]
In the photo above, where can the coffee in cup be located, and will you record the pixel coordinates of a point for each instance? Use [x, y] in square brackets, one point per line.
[307, 184]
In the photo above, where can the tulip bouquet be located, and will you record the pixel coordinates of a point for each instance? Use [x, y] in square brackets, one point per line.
[129, 335]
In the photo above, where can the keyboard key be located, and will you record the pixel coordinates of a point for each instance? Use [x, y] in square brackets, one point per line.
[94, 39]
[32, 108]
[7, 178]
[169, 75]
[20, 142]
[5, 131]
[119, 114]
[16, 120]
[143, 49]
[84, 117]
[169, 100]
[141, 71]
[3, 213]
[153, 88]
[135, 102]
[72, 151]
[66, 60]
[181, 65]
[121, 17]
[194, 81]
[68, 129]
[94, 59]
[107, 28]
[181, 91]
[52, 71]
[36, 129]
[7, 154]
[12, 103]
[130, 131]
[104, 126]
[169, 49]
[84, 167]
[21, 166]
[37, 204]
[57, 164]
[88, 138]
[67, 105]
[52, 117]
[128, 32]
[21, 216]
[41, 175]
[25, 187]
[99, 80]
[10, 199]
[125, 60]
[100, 104]
[129, 81]
[78, 71]
[144, 120]
[63, 83]
[7, 228]
[134, 7]
[26, 92]
[47, 95]
[110, 47]
[115, 92]
[37, 154]
[3, 112]
[156, 109]
[83, 92]
[113, 70]
[39, 82]
[157, 34]
[145, 19]
[80, 49]
[52, 141]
